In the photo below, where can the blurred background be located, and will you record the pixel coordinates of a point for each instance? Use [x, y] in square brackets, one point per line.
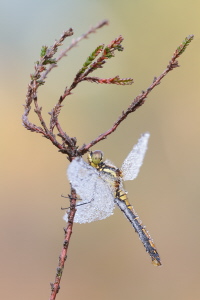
[106, 260]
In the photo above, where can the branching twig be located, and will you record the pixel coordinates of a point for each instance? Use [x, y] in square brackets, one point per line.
[68, 145]
[140, 99]
[73, 44]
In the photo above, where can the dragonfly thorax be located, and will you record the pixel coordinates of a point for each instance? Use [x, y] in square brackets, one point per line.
[108, 171]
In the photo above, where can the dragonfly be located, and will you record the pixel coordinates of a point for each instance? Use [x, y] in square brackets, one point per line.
[100, 187]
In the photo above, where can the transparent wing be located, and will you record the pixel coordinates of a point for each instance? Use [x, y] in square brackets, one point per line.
[109, 163]
[131, 165]
[96, 194]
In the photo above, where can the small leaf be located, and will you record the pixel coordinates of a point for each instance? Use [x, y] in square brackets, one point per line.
[50, 61]
[90, 59]
[119, 48]
[108, 53]
[43, 51]
[40, 82]
[184, 44]
[114, 80]
[123, 81]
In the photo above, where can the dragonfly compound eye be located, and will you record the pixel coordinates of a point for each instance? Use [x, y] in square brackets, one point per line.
[95, 157]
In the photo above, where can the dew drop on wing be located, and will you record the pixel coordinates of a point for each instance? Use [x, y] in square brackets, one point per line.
[93, 191]
[132, 163]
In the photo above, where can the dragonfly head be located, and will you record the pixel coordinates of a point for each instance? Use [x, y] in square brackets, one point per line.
[95, 157]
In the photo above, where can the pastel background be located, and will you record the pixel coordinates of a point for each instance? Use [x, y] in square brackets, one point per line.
[106, 260]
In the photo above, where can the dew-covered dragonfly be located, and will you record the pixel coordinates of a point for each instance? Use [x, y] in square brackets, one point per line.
[100, 187]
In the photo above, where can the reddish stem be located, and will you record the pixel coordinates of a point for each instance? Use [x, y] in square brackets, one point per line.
[63, 256]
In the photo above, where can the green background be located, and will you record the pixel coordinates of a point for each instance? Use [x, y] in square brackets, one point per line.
[106, 260]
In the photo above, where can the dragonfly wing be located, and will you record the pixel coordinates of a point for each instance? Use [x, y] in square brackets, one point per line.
[131, 165]
[96, 195]
[109, 163]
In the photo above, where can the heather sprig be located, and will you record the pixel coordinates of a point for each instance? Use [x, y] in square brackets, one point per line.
[114, 80]
[183, 46]
[90, 65]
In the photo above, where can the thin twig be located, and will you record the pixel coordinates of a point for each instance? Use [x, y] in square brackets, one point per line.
[36, 81]
[63, 256]
[74, 43]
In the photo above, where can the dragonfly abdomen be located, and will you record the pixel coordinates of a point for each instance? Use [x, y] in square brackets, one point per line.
[133, 218]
